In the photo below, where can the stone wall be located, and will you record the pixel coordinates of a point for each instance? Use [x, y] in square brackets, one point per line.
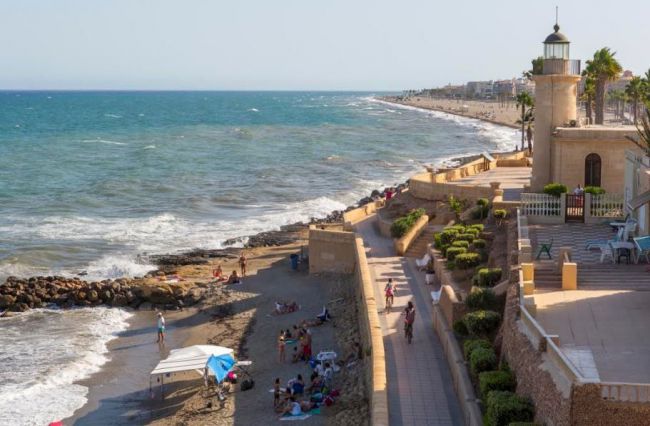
[402, 244]
[353, 216]
[589, 408]
[422, 186]
[331, 251]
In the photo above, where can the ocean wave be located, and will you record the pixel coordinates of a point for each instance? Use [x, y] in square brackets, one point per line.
[104, 141]
[112, 115]
[253, 110]
[38, 381]
[150, 147]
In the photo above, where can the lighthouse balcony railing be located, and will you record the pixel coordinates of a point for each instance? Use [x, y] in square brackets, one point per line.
[562, 66]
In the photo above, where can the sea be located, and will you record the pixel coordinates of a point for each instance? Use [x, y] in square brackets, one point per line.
[90, 181]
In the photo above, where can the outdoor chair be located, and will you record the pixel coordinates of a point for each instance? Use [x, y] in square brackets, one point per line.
[601, 243]
[606, 251]
[422, 263]
[643, 248]
[545, 248]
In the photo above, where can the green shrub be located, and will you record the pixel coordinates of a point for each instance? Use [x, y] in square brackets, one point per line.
[443, 249]
[478, 226]
[496, 381]
[466, 237]
[555, 189]
[481, 298]
[452, 252]
[594, 190]
[451, 265]
[488, 277]
[460, 328]
[473, 231]
[467, 260]
[482, 359]
[483, 322]
[458, 227]
[504, 408]
[480, 212]
[402, 225]
[460, 243]
[479, 243]
[500, 214]
[470, 345]
[447, 236]
[437, 241]
[482, 202]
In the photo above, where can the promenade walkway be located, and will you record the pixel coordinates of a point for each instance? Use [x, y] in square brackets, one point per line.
[420, 388]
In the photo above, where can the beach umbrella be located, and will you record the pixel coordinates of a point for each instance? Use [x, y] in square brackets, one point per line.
[220, 365]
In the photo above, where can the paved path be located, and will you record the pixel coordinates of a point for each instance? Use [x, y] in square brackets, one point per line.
[420, 388]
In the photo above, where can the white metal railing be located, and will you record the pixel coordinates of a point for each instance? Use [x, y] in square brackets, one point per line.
[625, 392]
[606, 205]
[541, 205]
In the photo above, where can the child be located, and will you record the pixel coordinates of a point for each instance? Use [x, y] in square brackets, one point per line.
[281, 346]
[276, 393]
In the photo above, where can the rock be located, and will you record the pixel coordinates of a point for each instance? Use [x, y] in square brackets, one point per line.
[145, 306]
[92, 296]
[119, 300]
[80, 296]
[193, 297]
[6, 301]
[106, 296]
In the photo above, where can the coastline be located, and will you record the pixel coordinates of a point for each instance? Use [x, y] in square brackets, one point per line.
[476, 110]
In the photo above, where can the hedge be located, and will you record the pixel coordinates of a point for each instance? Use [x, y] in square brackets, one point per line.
[482, 359]
[473, 231]
[402, 225]
[594, 190]
[496, 381]
[555, 189]
[447, 236]
[481, 298]
[505, 407]
[482, 202]
[483, 322]
[478, 226]
[466, 237]
[470, 345]
[437, 240]
[460, 243]
[500, 214]
[452, 252]
[479, 243]
[488, 277]
[467, 260]
[460, 328]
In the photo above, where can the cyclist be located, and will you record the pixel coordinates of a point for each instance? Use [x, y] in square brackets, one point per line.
[389, 292]
[409, 313]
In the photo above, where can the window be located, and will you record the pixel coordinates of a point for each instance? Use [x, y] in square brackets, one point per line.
[592, 170]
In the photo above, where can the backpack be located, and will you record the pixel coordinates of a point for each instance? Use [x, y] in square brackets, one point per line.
[247, 384]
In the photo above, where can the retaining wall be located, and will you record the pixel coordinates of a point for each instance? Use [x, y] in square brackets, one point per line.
[331, 251]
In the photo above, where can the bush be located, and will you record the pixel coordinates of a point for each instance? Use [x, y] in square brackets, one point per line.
[500, 214]
[466, 237]
[555, 189]
[437, 241]
[467, 260]
[482, 359]
[478, 226]
[452, 252]
[496, 381]
[479, 243]
[488, 277]
[447, 236]
[451, 265]
[473, 231]
[460, 243]
[458, 227]
[481, 298]
[480, 212]
[504, 408]
[402, 225]
[460, 328]
[594, 190]
[470, 345]
[482, 202]
[443, 249]
[483, 322]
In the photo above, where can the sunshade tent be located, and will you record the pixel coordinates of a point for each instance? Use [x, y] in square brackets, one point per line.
[220, 366]
[190, 358]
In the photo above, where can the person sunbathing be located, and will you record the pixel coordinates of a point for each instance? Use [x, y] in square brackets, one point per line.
[217, 273]
[292, 407]
[285, 308]
[233, 278]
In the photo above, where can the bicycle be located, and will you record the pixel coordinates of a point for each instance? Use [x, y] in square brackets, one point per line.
[408, 332]
[389, 303]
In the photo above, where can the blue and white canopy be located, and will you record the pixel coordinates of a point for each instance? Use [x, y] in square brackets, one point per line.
[190, 358]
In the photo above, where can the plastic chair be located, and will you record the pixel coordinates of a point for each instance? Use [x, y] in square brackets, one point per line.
[545, 248]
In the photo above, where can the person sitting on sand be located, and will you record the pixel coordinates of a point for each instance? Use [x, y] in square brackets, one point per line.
[292, 408]
[324, 315]
[316, 383]
[285, 307]
[297, 385]
[297, 355]
[233, 278]
[217, 273]
[287, 334]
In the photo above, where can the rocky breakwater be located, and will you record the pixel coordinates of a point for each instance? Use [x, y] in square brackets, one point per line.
[19, 295]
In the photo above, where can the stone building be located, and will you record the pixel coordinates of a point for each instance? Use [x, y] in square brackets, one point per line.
[566, 151]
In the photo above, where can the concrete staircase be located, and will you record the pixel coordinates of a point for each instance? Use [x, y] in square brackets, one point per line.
[419, 246]
[613, 277]
[547, 276]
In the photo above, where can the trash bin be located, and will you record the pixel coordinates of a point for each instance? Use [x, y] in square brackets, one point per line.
[294, 261]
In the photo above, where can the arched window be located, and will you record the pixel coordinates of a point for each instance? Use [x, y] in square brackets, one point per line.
[592, 170]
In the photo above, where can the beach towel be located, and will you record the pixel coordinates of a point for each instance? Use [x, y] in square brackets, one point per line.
[300, 417]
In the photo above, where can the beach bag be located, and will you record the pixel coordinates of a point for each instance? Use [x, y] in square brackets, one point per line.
[232, 377]
[247, 384]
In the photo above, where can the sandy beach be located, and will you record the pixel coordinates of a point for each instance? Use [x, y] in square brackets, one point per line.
[493, 112]
[237, 316]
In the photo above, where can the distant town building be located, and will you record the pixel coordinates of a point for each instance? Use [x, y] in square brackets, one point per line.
[480, 89]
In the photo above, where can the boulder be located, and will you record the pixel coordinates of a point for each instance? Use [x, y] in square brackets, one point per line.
[119, 300]
[92, 296]
[6, 301]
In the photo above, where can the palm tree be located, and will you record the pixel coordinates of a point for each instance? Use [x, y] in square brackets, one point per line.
[617, 97]
[603, 68]
[635, 90]
[588, 95]
[644, 128]
[525, 101]
[538, 68]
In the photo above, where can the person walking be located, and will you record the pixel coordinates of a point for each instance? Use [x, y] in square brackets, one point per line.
[242, 264]
[161, 328]
[409, 319]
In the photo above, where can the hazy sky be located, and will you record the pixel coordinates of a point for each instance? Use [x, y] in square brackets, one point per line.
[299, 44]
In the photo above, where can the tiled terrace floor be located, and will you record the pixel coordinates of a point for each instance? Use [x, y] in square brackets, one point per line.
[512, 180]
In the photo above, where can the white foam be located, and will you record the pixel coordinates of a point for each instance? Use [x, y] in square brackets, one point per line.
[254, 110]
[150, 147]
[104, 141]
[37, 381]
[112, 115]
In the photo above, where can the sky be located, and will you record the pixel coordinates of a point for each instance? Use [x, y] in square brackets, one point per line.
[299, 44]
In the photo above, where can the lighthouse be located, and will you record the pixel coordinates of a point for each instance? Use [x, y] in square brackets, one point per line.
[555, 102]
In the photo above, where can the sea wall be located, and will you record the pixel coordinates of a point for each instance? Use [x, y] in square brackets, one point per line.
[331, 251]
[423, 186]
[356, 215]
[402, 244]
